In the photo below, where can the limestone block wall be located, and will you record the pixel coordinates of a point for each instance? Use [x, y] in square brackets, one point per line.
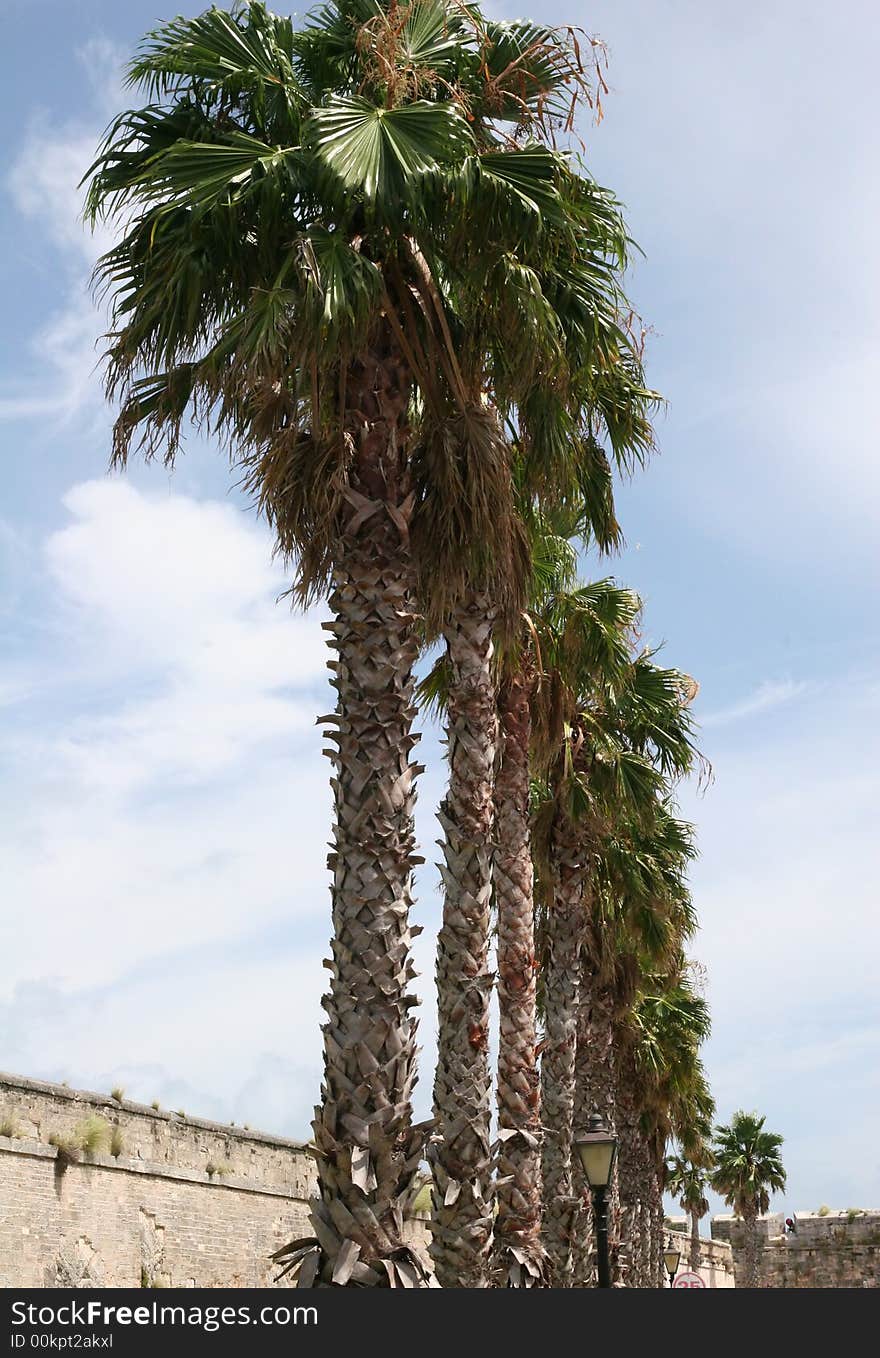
[182, 1201]
[716, 1256]
[730, 1228]
[834, 1249]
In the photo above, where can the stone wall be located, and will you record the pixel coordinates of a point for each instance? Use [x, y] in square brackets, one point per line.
[833, 1249]
[716, 1256]
[161, 1200]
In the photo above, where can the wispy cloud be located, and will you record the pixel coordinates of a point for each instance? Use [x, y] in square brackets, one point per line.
[66, 351]
[104, 63]
[223, 1038]
[43, 184]
[772, 693]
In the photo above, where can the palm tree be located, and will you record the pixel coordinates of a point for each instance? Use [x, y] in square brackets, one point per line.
[591, 652]
[639, 896]
[564, 623]
[670, 1020]
[327, 236]
[555, 409]
[631, 731]
[640, 910]
[292, 207]
[519, 1258]
[748, 1168]
[566, 627]
[688, 1181]
[239, 290]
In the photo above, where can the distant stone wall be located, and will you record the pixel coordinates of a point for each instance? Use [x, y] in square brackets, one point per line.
[716, 1256]
[834, 1249]
[181, 1203]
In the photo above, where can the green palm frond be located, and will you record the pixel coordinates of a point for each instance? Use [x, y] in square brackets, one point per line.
[748, 1163]
[380, 151]
[528, 176]
[433, 36]
[220, 49]
[202, 175]
[688, 1182]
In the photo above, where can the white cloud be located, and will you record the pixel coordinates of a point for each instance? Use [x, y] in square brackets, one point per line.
[788, 861]
[768, 695]
[174, 581]
[165, 784]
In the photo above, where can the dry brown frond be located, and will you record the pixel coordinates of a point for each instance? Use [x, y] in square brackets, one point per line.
[466, 532]
[382, 54]
[299, 483]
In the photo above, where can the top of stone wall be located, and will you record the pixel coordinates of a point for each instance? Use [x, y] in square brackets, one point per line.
[728, 1226]
[713, 1251]
[854, 1225]
[55, 1091]
[43, 1112]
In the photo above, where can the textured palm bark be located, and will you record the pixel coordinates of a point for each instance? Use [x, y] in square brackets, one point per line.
[658, 1237]
[751, 1268]
[694, 1253]
[651, 1237]
[583, 1250]
[518, 1256]
[628, 1171]
[367, 1148]
[564, 927]
[646, 1232]
[584, 1259]
[460, 1152]
[595, 1090]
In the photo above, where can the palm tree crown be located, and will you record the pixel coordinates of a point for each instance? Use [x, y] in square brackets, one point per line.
[288, 191]
[748, 1164]
[687, 1183]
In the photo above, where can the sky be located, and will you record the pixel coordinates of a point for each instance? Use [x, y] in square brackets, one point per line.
[163, 799]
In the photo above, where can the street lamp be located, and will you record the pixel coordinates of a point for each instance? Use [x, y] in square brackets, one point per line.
[596, 1148]
[671, 1258]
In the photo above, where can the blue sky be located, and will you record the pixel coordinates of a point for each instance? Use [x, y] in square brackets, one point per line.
[164, 805]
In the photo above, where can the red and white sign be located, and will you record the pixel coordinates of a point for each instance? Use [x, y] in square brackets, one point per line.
[688, 1280]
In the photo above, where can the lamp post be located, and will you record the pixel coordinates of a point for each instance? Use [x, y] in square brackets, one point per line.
[596, 1148]
[671, 1258]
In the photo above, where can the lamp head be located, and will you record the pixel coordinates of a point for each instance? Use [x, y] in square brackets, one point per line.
[671, 1259]
[596, 1149]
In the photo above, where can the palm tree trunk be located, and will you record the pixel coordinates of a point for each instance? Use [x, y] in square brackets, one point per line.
[750, 1224]
[460, 1156]
[629, 1252]
[367, 1148]
[583, 1250]
[519, 1259]
[646, 1243]
[595, 1090]
[584, 1256]
[655, 1198]
[694, 1253]
[565, 926]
